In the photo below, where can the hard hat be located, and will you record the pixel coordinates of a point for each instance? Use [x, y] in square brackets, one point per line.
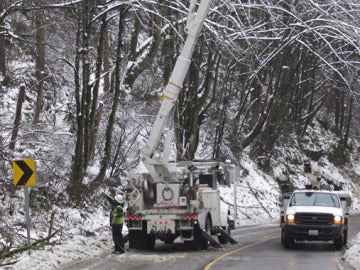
[119, 198]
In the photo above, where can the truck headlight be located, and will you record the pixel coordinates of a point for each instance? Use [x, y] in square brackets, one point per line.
[290, 218]
[338, 220]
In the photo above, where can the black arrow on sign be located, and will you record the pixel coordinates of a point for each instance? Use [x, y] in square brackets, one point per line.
[27, 172]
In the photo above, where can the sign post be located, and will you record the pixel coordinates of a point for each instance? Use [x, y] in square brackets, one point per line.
[24, 176]
[26, 192]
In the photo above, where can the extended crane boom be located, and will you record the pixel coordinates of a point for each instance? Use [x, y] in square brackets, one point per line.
[160, 169]
[181, 199]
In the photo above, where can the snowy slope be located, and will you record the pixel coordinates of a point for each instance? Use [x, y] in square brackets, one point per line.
[86, 235]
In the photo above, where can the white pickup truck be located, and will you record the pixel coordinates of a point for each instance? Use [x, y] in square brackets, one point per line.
[315, 215]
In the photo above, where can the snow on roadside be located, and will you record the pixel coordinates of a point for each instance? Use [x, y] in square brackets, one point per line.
[351, 255]
[77, 238]
[71, 250]
[87, 234]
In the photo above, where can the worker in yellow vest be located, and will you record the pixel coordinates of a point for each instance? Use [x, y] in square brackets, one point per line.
[117, 221]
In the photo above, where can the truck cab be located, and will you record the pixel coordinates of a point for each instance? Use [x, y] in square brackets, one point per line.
[314, 215]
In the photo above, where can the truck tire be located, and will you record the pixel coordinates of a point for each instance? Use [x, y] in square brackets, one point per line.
[345, 237]
[208, 230]
[150, 240]
[339, 241]
[136, 239]
[141, 240]
[288, 241]
[169, 240]
[223, 239]
[199, 241]
[208, 226]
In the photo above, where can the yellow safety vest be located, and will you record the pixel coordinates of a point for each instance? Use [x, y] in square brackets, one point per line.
[116, 218]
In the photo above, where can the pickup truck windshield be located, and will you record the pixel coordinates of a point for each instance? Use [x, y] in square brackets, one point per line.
[315, 199]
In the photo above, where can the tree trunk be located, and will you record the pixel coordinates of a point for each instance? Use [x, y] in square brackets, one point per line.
[77, 167]
[225, 89]
[3, 71]
[195, 107]
[17, 120]
[94, 112]
[83, 96]
[86, 100]
[110, 126]
[107, 65]
[40, 63]
[191, 110]
[348, 122]
[141, 60]
[96, 128]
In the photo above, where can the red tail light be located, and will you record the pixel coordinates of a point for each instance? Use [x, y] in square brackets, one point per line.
[131, 217]
[190, 216]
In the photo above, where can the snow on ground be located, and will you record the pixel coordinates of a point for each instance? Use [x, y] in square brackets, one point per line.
[83, 236]
[352, 253]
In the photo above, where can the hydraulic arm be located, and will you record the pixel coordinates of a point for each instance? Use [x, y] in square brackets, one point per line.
[160, 169]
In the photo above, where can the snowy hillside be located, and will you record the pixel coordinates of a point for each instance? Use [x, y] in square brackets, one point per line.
[80, 88]
[84, 233]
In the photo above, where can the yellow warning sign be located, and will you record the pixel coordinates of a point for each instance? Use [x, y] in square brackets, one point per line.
[24, 172]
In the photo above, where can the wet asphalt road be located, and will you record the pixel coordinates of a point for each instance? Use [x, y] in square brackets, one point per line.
[258, 248]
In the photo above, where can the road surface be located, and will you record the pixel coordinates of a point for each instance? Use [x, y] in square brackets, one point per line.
[258, 248]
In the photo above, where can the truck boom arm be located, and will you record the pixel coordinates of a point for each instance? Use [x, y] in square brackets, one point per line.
[159, 169]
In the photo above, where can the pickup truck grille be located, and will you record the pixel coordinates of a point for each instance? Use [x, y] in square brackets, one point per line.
[313, 218]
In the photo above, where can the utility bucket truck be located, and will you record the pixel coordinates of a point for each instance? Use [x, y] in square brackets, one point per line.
[188, 207]
[178, 199]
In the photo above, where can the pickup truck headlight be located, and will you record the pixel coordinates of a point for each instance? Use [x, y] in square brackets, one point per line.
[338, 220]
[290, 218]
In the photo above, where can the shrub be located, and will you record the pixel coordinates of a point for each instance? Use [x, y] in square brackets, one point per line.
[338, 155]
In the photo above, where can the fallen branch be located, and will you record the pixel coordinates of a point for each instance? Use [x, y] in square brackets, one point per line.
[259, 201]
[8, 263]
[27, 247]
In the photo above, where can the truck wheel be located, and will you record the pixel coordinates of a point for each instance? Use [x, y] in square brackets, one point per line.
[199, 241]
[288, 241]
[204, 243]
[208, 230]
[208, 226]
[141, 240]
[136, 239]
[338, 242]
[169, 240]
[223, 239]
[345, 237]
[150, 241]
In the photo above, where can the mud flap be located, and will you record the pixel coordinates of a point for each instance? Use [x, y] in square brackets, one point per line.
[228, 237]
[211, 240]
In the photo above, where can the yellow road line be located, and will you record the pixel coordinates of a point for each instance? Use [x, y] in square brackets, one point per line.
[209, 265]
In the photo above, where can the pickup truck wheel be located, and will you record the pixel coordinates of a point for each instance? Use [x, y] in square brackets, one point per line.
[288, 241]
[338, 242]
[345, 237]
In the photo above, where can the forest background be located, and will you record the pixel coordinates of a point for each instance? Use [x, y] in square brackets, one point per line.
[81, 81]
